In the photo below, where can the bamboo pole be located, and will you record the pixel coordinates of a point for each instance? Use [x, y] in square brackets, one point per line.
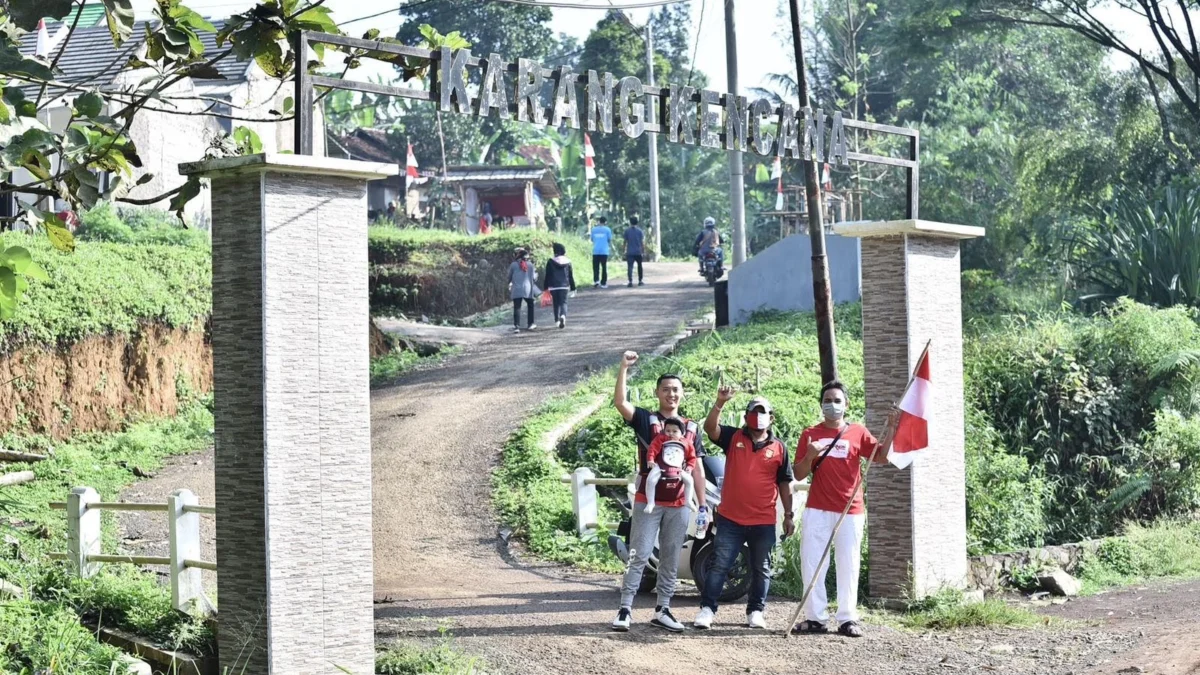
[14, 456]
[889, 433]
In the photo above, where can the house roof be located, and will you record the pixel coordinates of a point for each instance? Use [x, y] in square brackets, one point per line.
[91, 57]
[371, 145]
[500, 176]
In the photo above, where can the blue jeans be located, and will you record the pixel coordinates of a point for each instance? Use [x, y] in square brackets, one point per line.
[728, 544]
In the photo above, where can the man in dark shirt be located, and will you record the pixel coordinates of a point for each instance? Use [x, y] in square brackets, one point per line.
[646, 425]
[635, 241]
[757, 473]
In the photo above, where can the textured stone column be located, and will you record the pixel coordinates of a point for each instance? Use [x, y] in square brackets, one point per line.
[292, 408]
[916, 517]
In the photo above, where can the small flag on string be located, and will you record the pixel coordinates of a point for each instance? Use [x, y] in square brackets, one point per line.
[589, 158]
[410, 175]
[779, 195]
[777, 168]
[912, 431]
[44, 47]
[827, 178]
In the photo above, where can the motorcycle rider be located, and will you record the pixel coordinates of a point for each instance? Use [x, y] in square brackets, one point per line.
[707, 241]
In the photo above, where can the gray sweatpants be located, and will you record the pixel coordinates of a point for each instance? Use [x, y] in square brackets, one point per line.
[668, 525]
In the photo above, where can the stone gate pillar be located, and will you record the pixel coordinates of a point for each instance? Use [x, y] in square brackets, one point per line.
[292, 409]
[916, 517]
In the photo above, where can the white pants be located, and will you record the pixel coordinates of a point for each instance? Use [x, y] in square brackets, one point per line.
[815, 527]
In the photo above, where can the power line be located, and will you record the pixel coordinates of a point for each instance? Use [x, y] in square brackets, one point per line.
[397, 10]
[577, 5]
[696, 47]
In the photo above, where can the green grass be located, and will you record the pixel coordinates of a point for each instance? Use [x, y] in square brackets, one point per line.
[441, 659]
[1166, 549]
[388, 367]
[105, 287]
[44, 627]
[987, 614]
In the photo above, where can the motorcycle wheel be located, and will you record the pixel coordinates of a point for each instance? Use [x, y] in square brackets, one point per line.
[738, 583]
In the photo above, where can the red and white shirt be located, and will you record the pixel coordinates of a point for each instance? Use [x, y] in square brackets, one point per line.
[837, 479]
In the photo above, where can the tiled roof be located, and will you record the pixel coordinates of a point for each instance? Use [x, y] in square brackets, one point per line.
[91, 57]
[371, 145]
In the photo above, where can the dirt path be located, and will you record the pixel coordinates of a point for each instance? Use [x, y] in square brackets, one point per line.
[441, 564]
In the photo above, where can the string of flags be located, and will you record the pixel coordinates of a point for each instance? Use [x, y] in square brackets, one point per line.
[589, 158]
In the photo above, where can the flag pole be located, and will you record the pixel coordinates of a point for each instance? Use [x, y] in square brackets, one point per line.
[889, 433]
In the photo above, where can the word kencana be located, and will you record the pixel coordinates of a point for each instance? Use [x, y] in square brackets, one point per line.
[710, 118]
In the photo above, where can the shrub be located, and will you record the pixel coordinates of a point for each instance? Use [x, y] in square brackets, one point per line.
[1069, 393]
[445, 274]
[1165, 549]
[107, 287]
[1004, 496]
[101, 223]
[1146, 247]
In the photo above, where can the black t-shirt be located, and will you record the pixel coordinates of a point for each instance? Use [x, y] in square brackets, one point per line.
[641, 428]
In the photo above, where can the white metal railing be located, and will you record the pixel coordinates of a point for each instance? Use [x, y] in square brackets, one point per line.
[83, 507]
[585, 501]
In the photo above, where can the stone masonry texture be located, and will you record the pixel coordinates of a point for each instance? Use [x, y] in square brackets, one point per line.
[293, 465]
[916, 516]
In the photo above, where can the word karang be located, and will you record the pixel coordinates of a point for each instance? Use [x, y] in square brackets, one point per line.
[715, 120]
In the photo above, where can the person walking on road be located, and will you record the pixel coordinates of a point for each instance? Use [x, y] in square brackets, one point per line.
[635, 241]
[831, 452]
[671, 523]
[601, 237]
[757, 473]
[560, 281]
[522, 281]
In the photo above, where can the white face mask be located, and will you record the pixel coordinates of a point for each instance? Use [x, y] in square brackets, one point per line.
[833, 411]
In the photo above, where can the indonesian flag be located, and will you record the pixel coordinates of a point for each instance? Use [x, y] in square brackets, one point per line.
[589, 158]
[777, 168]
[912, 431]
[827, 178]
[410, 175]
[44, 46]
[779, 194]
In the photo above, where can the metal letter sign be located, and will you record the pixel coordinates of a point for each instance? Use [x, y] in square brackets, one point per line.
[686, 116]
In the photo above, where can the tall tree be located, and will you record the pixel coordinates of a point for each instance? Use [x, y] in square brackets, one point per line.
[511, 30]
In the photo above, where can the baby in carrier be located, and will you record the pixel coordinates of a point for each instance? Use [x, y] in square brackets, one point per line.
[669, 476]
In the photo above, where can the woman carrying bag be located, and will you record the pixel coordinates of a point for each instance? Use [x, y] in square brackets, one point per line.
[522, 280]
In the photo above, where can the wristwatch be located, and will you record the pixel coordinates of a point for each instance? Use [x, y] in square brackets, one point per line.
[788, 514]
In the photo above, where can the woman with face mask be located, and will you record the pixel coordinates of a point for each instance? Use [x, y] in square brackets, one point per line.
[832, 452]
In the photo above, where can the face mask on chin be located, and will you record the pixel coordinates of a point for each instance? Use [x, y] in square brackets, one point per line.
[833, 411]
[758, 421]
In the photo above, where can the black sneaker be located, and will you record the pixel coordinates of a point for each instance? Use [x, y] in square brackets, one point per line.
[621, 623]
[664, 619]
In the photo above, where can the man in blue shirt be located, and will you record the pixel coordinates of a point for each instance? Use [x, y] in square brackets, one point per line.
[635, 241]
[601, 237]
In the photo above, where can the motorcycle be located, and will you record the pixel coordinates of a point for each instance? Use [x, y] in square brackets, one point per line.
[697, 555]
[711, 267]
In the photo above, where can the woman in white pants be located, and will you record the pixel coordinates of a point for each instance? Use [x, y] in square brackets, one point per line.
[832, 452]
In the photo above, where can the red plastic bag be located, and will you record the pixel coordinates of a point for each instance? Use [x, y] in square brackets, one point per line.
[546, 299]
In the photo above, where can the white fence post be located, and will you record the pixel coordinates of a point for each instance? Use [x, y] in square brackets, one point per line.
[185, 544]
[583, 499]
[83, 530]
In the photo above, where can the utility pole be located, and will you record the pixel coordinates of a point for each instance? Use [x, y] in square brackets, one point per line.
[737, 192]
[822, 302]
[652, 139]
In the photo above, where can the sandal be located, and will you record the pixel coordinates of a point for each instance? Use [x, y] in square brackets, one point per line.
[809, 627]
[851, 629]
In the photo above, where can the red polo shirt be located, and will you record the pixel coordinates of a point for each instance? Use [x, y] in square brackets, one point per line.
[837, 479]
[753, 473]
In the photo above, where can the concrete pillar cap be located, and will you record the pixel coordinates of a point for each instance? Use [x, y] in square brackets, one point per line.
[884, 228]
[288, 163]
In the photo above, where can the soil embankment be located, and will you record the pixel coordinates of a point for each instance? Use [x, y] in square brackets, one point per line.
[99, 382]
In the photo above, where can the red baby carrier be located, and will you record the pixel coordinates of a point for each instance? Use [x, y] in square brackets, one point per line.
[670, 484]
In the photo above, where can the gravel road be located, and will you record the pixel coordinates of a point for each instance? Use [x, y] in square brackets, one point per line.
[440, 563]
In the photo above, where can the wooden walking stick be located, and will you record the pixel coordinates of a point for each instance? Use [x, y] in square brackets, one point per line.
[888, 434]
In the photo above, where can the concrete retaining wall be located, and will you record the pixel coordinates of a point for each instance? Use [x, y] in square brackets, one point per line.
[989, 572]
[780, 278]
